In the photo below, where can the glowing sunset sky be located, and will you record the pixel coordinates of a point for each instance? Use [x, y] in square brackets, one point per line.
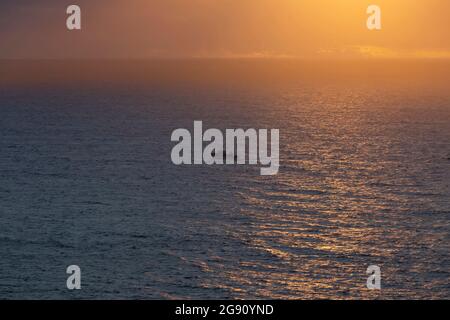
[224, 28]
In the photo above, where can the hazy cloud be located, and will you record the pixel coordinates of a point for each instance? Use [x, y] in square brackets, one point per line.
[230, 28]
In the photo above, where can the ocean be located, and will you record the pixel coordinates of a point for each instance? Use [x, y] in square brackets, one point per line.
[86, 179]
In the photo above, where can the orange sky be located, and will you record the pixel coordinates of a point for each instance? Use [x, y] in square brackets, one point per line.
[225, 28]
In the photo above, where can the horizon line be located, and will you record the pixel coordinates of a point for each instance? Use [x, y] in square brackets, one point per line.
[309, 59]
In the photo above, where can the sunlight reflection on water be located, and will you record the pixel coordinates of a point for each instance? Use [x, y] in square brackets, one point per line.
[364, 180]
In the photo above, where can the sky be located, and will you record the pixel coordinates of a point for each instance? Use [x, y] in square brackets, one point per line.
[136, 29]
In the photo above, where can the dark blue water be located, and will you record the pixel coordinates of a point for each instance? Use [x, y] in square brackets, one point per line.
[86, 179]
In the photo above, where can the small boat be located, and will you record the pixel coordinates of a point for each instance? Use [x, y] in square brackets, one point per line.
[224, 155]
